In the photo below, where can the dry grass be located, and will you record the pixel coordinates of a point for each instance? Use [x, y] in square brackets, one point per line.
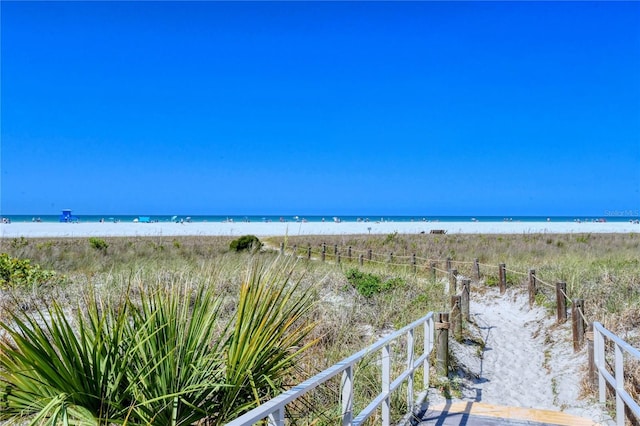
[603, 269]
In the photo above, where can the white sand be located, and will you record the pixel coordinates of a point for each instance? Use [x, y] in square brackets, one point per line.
[528, 360]
[29, 229]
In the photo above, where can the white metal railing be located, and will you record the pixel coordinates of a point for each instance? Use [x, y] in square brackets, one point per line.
[617, 383]
[274, 409]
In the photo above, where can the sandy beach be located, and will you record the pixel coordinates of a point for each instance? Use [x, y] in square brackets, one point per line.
[107, 229]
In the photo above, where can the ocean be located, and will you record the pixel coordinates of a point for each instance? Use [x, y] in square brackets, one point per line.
[610, 217]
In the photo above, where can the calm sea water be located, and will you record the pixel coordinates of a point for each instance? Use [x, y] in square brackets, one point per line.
[289, 218]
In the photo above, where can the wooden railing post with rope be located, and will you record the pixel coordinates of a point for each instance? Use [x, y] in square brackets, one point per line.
[464, 299]
[561, 301]
[532, 287]
[442, 343]
[453, 281]
[577, 323]
[456, 316]
[502, 277]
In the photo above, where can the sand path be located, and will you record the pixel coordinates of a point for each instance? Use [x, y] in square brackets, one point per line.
[527, 361]
[511, 355]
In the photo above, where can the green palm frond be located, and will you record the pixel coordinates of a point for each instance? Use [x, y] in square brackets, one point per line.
[267, 334]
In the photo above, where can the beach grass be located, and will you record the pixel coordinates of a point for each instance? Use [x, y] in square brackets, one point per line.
[602, 269]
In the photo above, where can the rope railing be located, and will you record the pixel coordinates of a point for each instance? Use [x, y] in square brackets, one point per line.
[426, 259]
[583, 317]
[440, 270]
[517, 272]
[463, 262]
[486, 265]
[418, 263]
[425, 264]
[538, 280]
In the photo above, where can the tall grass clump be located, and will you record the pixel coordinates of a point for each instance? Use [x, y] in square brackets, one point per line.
[162, 353]
[266, 338]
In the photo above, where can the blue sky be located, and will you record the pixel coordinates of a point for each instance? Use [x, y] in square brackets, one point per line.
[415, 108]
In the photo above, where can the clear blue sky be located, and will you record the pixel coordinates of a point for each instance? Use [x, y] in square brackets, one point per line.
[416, 108]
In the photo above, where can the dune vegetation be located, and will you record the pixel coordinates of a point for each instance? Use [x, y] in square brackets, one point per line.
[186, 330]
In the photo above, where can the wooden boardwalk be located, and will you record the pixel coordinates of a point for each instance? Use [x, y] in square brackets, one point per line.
[478, 414]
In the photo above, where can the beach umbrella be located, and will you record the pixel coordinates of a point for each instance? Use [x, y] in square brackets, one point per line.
[173, 218]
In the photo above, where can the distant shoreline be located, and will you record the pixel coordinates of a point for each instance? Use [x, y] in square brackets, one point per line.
[607, 216]
[264, 229]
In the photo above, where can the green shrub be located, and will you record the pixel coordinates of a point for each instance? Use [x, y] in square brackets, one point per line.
[584, 238]
[369, 284]
[246, 242]
[98, 244]
[16, 272]
[19, 243]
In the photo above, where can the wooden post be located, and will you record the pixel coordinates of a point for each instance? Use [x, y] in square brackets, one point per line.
[433, 270]
[502, 275]
[335, 249]
[390, 257]
[464, 299]
[309, 253]
[456, 317]
[281, 249]
[349, 252]
[593, 378]
[360, 259]
[577, 323]
[323, 255]
[324, 247]
[442, 339]
[561, 302]
[295, 251]
[413, 263]
[532, 287]
[338, 258]
[476, 265]
[453, 281]
[448, 265]
[369, 254]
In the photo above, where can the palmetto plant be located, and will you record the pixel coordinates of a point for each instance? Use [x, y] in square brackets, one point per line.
[54, 370]
[266, 336]
[163, 357]
[177, 361]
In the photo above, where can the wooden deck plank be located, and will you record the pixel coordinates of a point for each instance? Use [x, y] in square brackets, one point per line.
[479, 414]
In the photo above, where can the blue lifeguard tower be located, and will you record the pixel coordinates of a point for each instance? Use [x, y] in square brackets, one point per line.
[66, 216]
